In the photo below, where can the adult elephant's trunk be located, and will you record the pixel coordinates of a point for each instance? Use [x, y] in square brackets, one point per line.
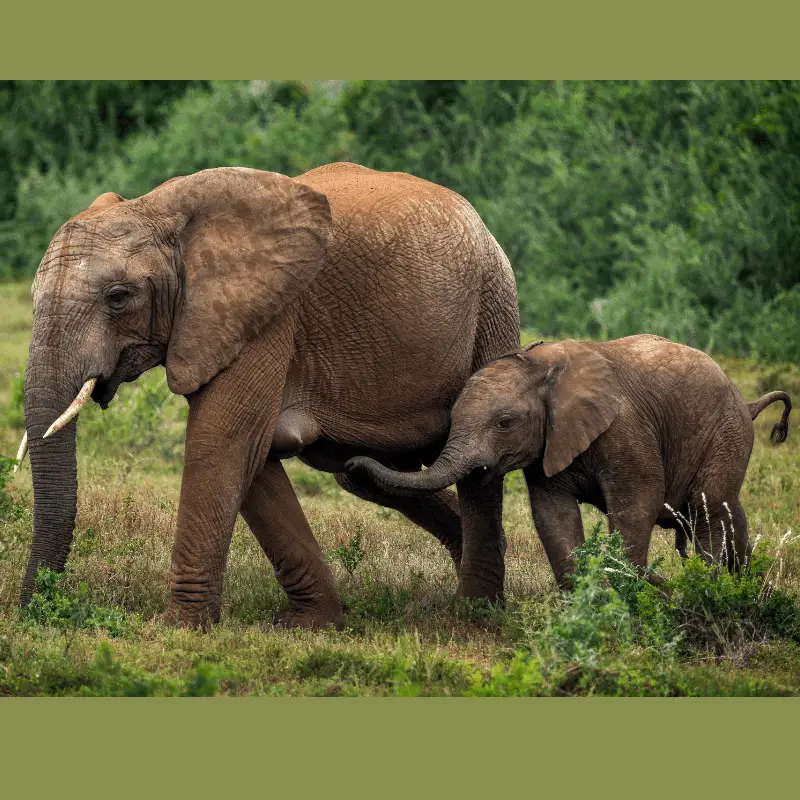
[53, 466]
[453, 464]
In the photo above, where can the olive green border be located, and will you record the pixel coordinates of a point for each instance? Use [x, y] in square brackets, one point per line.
[572, 39]
[376, 748]
[373, 747]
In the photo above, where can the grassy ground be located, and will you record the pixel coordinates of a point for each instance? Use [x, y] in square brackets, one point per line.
[96, 632]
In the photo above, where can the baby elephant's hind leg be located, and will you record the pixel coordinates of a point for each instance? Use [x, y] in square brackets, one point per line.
[633, 512]
[720, 533]
[682, 542]
[739, 550]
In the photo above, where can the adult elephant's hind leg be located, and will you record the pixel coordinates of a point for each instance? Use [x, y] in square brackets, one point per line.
[436, 513]
[484, 543]
[272, 511]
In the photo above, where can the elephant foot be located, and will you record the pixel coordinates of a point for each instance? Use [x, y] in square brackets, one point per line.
[496, 599]
[480, 593]
[311, 620]
[182, 615]
[479, 583]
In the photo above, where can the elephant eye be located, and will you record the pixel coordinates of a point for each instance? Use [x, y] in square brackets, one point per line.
[506, 423]
[117, 297]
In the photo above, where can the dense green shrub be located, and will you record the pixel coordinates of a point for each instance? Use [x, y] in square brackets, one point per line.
[47, 125]
[51, 604]
[236, 124]
[618, 634]
[667, 207]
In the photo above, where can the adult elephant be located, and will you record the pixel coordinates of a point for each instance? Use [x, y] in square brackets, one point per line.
[330, 315]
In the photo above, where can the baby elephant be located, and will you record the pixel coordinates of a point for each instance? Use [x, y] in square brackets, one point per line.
[647, 430]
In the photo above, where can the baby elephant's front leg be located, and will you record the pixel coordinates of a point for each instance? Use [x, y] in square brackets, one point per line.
[557, 517]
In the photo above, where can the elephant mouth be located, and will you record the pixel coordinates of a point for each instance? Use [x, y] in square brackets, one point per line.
[133, 361]
[106, 389]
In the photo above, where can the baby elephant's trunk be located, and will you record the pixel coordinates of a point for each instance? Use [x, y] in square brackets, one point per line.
[781, 429]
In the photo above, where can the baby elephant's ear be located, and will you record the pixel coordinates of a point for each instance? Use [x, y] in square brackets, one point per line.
[583, 402]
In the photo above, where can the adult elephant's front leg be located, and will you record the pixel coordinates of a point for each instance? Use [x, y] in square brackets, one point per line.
[484, 543]
[272, 511]
[228, 435]
[215, 477]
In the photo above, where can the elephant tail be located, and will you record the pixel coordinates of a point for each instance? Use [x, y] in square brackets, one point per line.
[781, 429]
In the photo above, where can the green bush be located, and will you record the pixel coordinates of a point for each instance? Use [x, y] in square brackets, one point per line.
[617, 634]
[715, 609]
[665, 207]
[52, 605]
[350, 554]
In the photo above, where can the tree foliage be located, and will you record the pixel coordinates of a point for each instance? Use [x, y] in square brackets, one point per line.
[624, 206]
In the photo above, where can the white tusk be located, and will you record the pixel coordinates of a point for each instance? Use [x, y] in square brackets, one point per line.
[23, 449]
[74, 409]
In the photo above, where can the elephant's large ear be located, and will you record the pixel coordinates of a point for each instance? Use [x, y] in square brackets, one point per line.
[583, 400]
[250, 242]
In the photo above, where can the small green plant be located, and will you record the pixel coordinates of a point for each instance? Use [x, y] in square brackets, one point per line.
[87, 543]
[607, 554]
[53, 605]
[10, 508]
[204, 682]
[350, 554]
[593, 622]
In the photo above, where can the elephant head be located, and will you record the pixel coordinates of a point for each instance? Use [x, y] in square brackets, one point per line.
[183, 276]
[546, 401]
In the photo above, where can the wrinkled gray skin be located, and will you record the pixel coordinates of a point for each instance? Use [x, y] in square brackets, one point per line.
[334, 314]
[625, 426]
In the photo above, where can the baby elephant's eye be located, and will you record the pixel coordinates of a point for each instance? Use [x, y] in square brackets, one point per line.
[117, 297]
[505, 423]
